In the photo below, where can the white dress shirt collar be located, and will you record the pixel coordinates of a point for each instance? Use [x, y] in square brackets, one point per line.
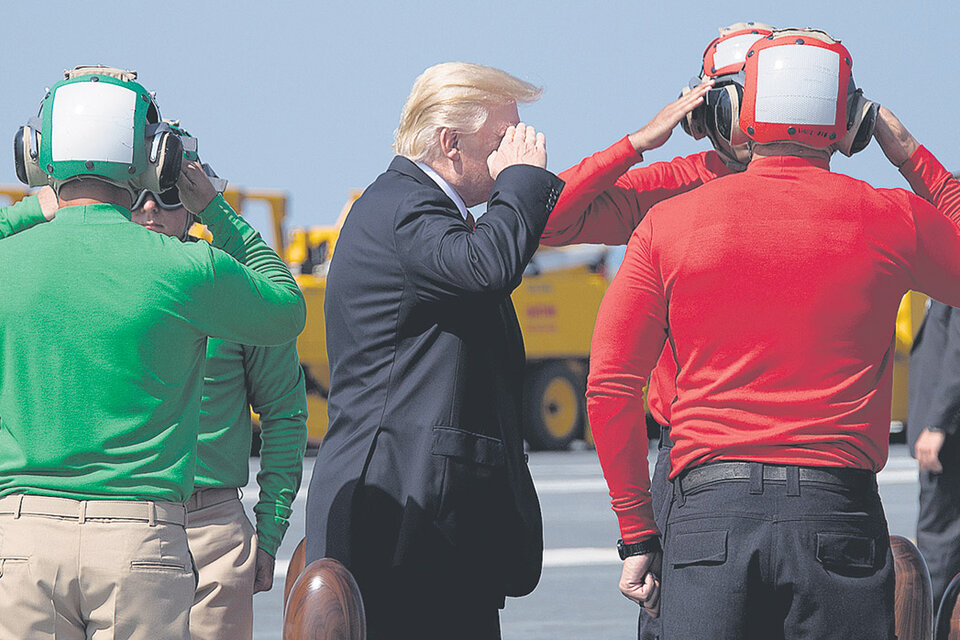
[447, 189]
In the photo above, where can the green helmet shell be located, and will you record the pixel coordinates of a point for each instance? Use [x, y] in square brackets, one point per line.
[95, 125]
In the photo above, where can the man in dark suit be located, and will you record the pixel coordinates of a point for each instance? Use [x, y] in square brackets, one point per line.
[932, 424]
[421, 487]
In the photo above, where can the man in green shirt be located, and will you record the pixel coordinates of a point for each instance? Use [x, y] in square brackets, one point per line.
[102, 343]
[232, 561]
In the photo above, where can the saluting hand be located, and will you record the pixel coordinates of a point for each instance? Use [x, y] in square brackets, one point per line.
[520, 145]
[658, 130]
[196, 190]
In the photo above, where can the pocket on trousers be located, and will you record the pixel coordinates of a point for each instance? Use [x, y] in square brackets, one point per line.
[13, 564]
[698, 548]
[150, 565]
[472, 447]
[846, 553]
[475, 496]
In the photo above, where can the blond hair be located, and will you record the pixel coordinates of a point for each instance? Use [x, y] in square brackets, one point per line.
[455, 95]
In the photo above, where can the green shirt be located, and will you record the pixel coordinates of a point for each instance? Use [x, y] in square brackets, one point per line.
[270, 380]
[19, 216]
[102, 343]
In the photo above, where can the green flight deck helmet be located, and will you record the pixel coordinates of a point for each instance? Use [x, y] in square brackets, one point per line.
[98, 122]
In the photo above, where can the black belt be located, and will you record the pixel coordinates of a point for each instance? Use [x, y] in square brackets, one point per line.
[717, 471]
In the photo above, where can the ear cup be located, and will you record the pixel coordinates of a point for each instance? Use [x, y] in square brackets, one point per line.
[26, 147]
[19, 156]
[722, 124]
[693, 123]
[861, 119]
[865, 130]
[163, 163]
[171, 157]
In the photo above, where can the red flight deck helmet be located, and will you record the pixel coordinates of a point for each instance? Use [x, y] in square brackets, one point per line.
[799, 88]
[717, 117]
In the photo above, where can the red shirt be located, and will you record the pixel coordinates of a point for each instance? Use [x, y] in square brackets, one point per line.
[603, 202]
[779, 288]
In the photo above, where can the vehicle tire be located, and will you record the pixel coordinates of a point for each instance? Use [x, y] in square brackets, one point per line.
[553, 406]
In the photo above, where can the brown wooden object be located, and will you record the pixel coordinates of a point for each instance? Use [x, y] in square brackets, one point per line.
[294, 570]
[325, 604]
[913, 599]
[948, 618]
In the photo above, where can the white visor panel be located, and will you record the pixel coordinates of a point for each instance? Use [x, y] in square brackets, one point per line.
[93, 121]
[797, 84]
[734, 50]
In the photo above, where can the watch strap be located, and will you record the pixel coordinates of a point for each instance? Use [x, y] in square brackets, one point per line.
[638, 548]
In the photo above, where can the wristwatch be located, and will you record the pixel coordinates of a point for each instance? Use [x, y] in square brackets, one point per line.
[637, 548]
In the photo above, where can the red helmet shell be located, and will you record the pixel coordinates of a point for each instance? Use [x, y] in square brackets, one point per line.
[795, 90]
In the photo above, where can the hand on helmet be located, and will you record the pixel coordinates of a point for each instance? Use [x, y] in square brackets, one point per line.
[658, 130]
[196, 190]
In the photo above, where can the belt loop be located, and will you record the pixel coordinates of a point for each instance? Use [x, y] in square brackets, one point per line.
[678, 491]
[152, 513]
[82, 517]
[16, 512]
[793, 481]
[756, 478]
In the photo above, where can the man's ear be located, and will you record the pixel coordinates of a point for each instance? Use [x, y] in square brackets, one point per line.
[449, 143]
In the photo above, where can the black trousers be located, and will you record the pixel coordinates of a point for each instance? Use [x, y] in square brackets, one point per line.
[938, 526]
[661, 495]
[403, 604]
[763, 559]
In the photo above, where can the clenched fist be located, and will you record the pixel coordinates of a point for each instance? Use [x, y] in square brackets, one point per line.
[521, 144]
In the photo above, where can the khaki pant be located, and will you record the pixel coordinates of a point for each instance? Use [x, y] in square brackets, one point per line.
[104, 569]
[224, 548]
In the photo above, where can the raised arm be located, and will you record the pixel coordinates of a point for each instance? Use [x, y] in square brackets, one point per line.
[255, 300]
[604, 201]
[31, 211]
[445, 258]
[937, 259]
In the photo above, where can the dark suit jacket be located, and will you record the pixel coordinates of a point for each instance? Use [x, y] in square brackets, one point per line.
[934, 396]
[423, 468]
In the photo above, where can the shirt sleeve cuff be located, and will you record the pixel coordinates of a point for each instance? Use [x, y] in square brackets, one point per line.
[636, 523]
[924, 173]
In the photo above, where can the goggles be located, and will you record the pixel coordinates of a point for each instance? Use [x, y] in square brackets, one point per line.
[170, 199]
[167, 200]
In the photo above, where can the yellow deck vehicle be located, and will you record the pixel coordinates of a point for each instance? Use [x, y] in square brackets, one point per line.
[556, 304]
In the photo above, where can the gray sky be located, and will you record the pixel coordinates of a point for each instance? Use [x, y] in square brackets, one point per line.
[304, 96]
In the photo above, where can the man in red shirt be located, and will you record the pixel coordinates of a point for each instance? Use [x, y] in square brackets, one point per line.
[778, 288]
[605, 199]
